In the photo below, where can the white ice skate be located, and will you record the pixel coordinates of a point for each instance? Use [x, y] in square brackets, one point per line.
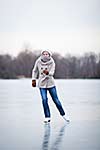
[66, 118]
[47, 120]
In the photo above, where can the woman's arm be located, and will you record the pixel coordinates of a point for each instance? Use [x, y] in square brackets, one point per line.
[52, 68]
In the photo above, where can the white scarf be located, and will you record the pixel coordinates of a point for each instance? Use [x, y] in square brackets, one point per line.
[45, 58]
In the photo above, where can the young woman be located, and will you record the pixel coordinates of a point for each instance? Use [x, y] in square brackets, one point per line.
[44, 68]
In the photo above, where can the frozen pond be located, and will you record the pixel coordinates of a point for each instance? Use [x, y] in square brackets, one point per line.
[21, 116]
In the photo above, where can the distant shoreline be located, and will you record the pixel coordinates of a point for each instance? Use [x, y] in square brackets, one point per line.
[55, 78]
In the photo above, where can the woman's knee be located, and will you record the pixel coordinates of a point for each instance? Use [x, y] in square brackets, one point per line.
[56, 101]
[44, 100]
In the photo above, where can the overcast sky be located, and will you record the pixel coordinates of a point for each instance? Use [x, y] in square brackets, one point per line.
[64, 26]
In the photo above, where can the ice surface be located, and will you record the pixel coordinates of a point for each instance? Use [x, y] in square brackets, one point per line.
[21, 116]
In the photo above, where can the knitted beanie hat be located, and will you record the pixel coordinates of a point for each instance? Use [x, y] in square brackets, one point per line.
[46, 51]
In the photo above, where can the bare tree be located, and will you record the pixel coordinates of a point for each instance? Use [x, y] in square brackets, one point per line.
[86, 66]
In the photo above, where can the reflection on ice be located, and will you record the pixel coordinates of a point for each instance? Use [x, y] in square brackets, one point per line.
[46, 138]
[57, 141]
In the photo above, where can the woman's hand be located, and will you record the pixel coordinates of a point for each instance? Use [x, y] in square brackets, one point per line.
[46, 72]
[34, 83]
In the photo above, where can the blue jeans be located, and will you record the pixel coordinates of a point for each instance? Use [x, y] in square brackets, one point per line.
[53, 93]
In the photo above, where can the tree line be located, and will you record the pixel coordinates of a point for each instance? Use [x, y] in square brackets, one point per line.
[67, 67]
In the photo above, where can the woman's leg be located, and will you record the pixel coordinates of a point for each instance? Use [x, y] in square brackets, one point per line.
[54, 96]
[43, 92]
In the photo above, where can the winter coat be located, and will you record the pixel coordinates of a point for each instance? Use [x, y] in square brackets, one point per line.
[44, 81]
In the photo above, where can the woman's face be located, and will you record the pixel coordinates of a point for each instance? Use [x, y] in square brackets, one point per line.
[46, 54]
